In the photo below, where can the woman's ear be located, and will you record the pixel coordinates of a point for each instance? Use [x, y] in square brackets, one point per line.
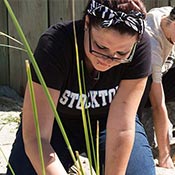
[174, 24]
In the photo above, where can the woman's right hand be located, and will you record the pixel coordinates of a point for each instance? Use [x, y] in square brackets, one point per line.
[53, 165]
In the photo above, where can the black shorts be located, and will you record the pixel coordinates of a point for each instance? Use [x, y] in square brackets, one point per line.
[168, 81]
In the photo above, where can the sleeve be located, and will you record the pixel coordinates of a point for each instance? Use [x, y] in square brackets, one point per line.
[156, 61]
[169, 62]
[52, 56]
[141, 64]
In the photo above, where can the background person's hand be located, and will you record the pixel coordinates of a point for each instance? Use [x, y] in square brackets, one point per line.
[165, 162]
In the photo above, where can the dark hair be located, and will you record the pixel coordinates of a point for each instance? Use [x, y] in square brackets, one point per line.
[118, 5]
[172, 14]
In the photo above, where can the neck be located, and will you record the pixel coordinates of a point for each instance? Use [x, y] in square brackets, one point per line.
[94, 74]
[89, 65]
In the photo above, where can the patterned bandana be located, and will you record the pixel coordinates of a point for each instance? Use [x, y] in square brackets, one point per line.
[133, 19]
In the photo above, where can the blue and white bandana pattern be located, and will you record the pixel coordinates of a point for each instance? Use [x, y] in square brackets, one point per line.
[133, 19]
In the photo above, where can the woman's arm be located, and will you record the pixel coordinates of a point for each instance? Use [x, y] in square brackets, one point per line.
[161, 124]
[121, 125]
[45, 116]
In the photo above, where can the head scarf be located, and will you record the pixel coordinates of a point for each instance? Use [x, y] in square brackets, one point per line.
[133, 19]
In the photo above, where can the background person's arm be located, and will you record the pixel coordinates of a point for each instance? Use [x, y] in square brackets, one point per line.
[121, 125]
[161, 124]
[45, 115]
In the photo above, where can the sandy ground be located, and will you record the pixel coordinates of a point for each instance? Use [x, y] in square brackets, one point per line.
[8, 128]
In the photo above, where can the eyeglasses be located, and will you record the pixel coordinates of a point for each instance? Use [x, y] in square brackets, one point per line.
[101, 55]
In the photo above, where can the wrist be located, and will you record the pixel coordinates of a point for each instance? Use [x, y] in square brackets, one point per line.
[164, 149]
[163, 155]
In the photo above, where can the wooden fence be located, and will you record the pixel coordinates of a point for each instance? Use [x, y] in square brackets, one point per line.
[34, 17]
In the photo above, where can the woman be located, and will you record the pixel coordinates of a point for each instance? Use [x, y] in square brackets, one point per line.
[160, 24]
[113, 48]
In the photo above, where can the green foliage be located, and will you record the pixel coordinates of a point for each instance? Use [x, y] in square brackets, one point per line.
[86, 119]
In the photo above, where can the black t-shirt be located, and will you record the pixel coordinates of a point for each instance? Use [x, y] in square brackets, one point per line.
[56, 57]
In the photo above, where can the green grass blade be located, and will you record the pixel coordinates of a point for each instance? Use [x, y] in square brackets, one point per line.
[11, 169]
[79, 163]
[97, 151]
[88, 118]
[8, 36]
[13, 47]
[34, 108]
[38, 73]
[87, 140]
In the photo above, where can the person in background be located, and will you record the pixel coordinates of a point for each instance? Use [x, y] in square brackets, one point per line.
[160, 25]
[114, 51]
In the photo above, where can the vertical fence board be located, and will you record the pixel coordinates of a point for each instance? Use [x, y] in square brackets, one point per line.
[156, 3]
[172, 2]
[33, 18]
[162, 3]
[149, 4]
[60, 13]
[4, 66]
[62, 10]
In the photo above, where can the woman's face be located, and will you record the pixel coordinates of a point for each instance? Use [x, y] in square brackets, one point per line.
[105, 48]
[172, 32]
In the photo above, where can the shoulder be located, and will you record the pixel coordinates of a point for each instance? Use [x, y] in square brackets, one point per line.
[144, 43]
[143, 48]
[141, 63]
[61, 33]
[160, 10]
[154, 16]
